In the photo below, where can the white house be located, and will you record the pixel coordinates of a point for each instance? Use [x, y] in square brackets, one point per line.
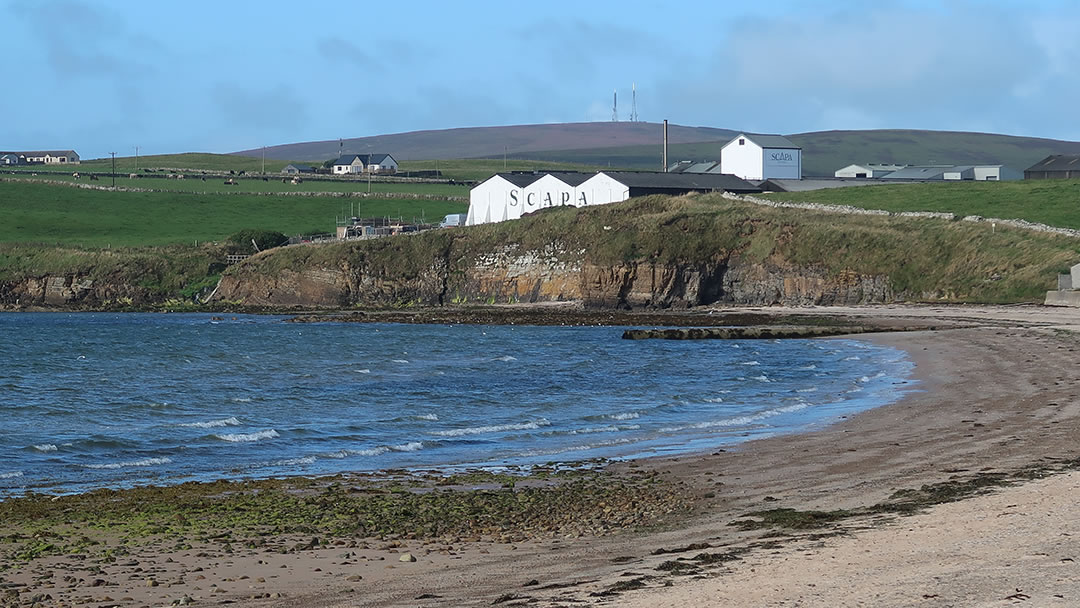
[761, 157]
[869, 170]
[49, 157]
[508, 196]
[348, 164]
[359, 163]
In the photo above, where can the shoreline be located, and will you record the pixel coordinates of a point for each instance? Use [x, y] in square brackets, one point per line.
[997, 399]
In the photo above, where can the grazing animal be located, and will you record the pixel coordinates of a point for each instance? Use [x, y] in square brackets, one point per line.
[75, 175]
[93, 178]
[133, 175]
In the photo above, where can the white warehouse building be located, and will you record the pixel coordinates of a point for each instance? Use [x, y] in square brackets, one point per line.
[508, 196]
[761, 157]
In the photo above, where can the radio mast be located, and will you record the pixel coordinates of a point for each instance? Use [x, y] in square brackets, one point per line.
[633, 104]
[615, 106]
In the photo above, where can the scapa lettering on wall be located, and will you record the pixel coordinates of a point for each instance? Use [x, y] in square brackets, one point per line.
[782, 157]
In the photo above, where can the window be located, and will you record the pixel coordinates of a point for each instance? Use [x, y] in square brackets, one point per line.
[742, 142]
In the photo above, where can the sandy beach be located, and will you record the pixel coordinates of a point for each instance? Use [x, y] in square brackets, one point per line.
[994, 421]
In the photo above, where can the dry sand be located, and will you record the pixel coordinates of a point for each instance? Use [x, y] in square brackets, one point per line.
[1001, 395]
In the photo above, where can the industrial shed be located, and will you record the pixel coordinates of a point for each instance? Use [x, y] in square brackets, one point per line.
[760, 157]
[1057, 166]
[867, 171]
[508, 196]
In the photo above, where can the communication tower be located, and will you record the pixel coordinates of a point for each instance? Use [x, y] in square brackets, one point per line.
[615, 106]
[633, 104]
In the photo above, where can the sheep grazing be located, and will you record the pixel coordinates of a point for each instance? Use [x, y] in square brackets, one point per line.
[230, 182]
[93, 178]
[75, 175]
[133, 175]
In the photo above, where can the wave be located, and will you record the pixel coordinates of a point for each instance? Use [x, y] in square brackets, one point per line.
[362, 371]
[613, 428]
[426, 417]
[808, 367]
[400, 360]
[412, 446]
[293, 462]
[145, 462]
[498, 428]
[624, 416]
[576, 448]
[739, 420]
[749, 363]
[761, 378]
[806, 390]
[852, 358]
[505, 358]
[11, 475]
[46, 447]
[714, 400]
[241, 399]
[248, 437]
[212, 424]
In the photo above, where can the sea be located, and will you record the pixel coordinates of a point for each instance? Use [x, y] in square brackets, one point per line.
[93, 400]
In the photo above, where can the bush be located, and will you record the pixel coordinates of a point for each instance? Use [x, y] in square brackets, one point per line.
[241, 242]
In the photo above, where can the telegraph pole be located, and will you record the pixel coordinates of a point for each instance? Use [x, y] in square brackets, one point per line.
[136, 158]
[113, 168]
[264, 161]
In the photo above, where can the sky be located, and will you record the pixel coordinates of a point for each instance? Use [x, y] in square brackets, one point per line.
[168, 76]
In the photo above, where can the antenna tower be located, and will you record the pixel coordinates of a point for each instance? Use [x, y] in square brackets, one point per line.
[615, 106]
[633, 104]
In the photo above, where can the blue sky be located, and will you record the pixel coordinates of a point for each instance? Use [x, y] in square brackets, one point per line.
[171, 76]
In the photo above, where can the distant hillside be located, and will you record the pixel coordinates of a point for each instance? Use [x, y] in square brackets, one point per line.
[826, 151]
[478, 142]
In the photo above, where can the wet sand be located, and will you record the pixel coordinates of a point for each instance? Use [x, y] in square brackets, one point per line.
[1000, 396]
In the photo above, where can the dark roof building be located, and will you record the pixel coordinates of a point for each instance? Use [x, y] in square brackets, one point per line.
[1057, 166]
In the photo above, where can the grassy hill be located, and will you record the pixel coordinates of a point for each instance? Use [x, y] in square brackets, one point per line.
[825, 152]
[1052, 202]
[475, 142]
[61, 215]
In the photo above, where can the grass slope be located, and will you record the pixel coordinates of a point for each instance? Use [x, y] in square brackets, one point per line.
[42, 213]
[1052, 202]
[924, 259]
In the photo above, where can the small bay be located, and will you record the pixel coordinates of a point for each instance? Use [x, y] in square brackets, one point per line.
[92, 400]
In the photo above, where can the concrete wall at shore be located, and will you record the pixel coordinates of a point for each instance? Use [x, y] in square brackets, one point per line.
[1063, 298]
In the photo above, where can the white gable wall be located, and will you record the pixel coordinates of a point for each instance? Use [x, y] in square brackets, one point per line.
[548, 191]
[601, 189]
[743, 158]
[495, 200]
[996, 173]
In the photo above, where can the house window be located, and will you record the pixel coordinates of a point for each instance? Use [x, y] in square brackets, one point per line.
[742, 142]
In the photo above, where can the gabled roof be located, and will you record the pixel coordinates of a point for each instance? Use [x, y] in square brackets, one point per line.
[570, 178]
[920, 172]
[299, 167]
[375, 159]
[518, 179]
[708, 166]
[1057, 162]
[349, 159]
[768, 141]
[45, 153]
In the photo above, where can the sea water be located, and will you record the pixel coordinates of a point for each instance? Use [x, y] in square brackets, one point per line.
[116, 400]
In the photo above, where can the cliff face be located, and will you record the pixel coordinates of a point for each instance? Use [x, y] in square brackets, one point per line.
[533, 277]
[71, 291]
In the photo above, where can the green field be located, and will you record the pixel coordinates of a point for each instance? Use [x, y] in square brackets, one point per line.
[216, 183]
[477, 169]
[1051, 202]
[43, 213]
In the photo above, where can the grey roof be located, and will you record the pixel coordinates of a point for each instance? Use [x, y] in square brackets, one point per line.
[682, 181]
[42, 152]
[299, 167]
[376, 159]
[571, 178]
[804, 185]
[920, 172]
[348, 159]
[1057, 162]
[770, 141]
[518, 179]
[709, 166]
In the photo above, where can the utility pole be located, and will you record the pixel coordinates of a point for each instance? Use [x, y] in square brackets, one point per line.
[264, 161]
[113, 168]
[136, 158]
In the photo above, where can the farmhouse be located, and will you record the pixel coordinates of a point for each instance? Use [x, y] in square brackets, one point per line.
[41, 157]
[292, 169]
[508, 196]
[1057, 166]
[761, 157]
[361, 163]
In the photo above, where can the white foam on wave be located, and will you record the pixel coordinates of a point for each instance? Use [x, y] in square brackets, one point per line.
[212, 424]
[576, 448]
[761, 378]
[852, 358]
[412, 446]
[611, 428]
[739, 420]
[751, 363]
[46, 447]
[145, 462]
[714, 400]
[248, 437]
[864, 379]
[294, 462]
[426, 417]
[11, 475]
[400, 360]
[505, 358]
[812, 389]
[624, 416]
[362, 371]
[241, 399]
[811, 366]
[496, 428]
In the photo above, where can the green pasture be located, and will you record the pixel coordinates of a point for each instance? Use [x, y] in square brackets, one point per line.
[1051, 202]
[60, 215]
[477, 169]
[244, 184]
